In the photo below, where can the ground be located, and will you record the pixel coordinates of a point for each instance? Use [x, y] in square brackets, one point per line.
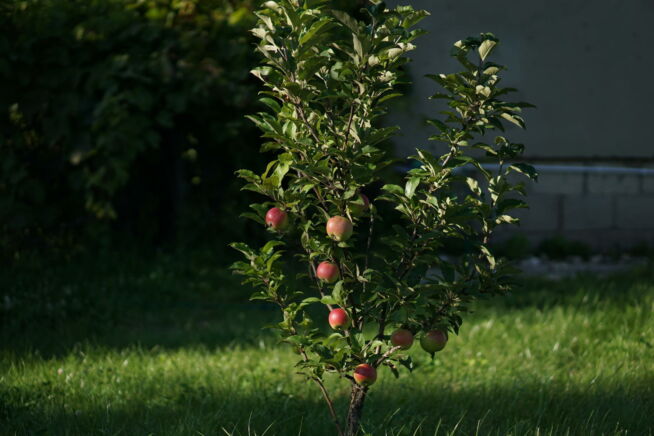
[168, 346]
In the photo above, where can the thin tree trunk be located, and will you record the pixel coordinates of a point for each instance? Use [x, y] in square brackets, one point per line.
[355, 410]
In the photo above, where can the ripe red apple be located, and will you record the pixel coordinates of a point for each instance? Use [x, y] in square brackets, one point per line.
[360, 205]
[338, 318]
[433, 341]
[327, 272]
[276, 218]
[402, 338]
[365, 374]
[339, 228]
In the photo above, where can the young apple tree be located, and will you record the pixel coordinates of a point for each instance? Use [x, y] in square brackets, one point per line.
[327, 77]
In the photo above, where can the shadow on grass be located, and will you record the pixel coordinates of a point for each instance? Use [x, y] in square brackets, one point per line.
[178, 301]
[173, 304]
[168, 301]
[583, 291]
[498, 410]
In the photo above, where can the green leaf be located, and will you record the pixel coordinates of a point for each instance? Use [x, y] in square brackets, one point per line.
[515, 119]
[491, 70]
[440, 95]
[358, 48]
[311, 300]
[243, 248]
[490, 151]
[473, 185]
[411, 186]
[270, 245]
[510, 204]
[292, 18]
[485, 48]
[271, 103]
[328, 299]
[338, 293]
[248, 175]
[414, 18]
[506, 219]
[407, 362]
[282, 167]
[439, 124]
[347, 20]
[316, 31]
[389, 96]
[259, 296]
[525, 169]
[489, 256]
[393, 189]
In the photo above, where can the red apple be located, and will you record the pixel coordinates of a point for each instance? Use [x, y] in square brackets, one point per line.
[402, 338]
[327, 272]
[339, 228]
[433, 341]
[360, 205]
[365, 374]
[276, 218]
[338, 318]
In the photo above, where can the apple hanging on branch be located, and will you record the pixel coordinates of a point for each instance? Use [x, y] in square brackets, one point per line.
[433, 341]
[338, 319]
[327, 77]
[365, 375]
[327, 272]
[276, 219]
[402, 338]
[339, 228]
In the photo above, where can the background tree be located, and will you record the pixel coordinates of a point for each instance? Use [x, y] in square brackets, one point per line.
[327, 77]
[123, 112]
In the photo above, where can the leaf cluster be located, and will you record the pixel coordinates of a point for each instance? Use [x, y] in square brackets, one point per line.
[327, 77]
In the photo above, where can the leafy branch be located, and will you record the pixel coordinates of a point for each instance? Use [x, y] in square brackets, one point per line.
[327, 78]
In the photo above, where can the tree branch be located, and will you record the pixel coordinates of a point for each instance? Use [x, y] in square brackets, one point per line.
[330, 405]
[349, 126]
[303, 117]
[321, 385]
[368, 243]
[386, 355]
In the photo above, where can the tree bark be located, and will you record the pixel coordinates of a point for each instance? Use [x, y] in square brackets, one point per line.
[355, 410]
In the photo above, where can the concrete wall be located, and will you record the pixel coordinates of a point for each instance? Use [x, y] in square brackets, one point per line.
[603, 210]
[587, 65]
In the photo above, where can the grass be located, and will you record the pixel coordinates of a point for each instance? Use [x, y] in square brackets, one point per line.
[167, 346]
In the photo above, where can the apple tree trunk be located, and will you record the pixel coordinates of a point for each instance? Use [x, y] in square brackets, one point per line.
[357, 397]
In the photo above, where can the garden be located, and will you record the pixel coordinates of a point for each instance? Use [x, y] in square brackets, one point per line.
[205, 229]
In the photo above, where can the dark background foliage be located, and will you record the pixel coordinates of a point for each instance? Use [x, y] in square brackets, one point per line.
[122, 120]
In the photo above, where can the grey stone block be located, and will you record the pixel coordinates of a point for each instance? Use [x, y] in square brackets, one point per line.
[587, 212]
[554, 183]
[635, 212]
[613, 184]
[648, 184]
[602, 240]
[543, 214]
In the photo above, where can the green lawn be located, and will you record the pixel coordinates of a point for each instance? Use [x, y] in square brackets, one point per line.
[168, 346]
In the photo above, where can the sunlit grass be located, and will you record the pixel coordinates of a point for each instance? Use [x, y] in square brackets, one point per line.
[572, 357]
